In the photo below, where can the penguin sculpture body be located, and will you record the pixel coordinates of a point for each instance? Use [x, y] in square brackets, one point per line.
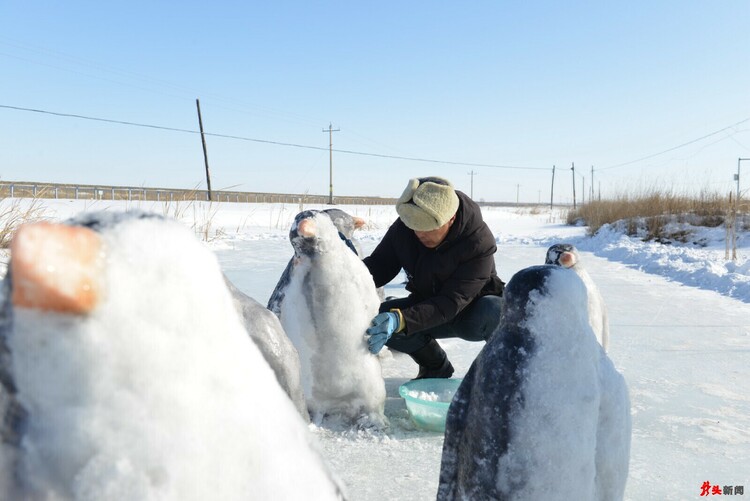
[132, 376]
[325, 300]
[542, 413]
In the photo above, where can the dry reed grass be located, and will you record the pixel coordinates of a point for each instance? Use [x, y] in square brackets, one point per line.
[652, 209]
[203, 214]
[15, 212]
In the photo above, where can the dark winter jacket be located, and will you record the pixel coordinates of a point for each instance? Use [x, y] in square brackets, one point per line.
[443, 280]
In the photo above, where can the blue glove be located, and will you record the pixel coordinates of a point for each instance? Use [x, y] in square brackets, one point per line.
[382, 328]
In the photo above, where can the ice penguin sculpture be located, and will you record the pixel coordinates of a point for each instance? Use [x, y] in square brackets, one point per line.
[566, 255]
[136, 376]
[542, 413]
[325, 301]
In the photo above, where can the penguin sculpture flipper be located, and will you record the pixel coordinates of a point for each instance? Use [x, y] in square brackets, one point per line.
[12, 415]
[456, 424]
[477, 427]
[613, 435]
[277, 296]
[470, 454]
[605, 326]
[266, 331]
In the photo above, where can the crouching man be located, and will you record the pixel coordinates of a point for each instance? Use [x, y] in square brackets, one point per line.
[447, 252]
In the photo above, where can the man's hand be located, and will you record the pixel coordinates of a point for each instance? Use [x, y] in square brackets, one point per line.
[381, 329]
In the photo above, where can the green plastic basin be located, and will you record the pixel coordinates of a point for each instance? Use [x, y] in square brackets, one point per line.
[427, 401]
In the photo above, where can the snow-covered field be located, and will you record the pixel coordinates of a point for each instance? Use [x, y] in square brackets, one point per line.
[679, 327]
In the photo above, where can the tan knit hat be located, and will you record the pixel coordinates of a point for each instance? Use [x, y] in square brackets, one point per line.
[427, 203]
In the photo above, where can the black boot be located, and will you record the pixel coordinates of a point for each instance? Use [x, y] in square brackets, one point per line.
[433, 362]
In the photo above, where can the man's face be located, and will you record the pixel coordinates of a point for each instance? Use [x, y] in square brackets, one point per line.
[433, 238]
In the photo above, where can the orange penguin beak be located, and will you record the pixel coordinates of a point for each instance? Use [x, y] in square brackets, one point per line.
[56, 268]
[307, 228]
[567, 259]
[358, 222]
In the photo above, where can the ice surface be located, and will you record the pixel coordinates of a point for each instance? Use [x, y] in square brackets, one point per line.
[683, 350]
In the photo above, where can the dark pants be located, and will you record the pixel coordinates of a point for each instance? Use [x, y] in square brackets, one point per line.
[475, 323]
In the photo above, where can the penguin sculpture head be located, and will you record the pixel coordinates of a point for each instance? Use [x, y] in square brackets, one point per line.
[312, 231]
[565, 255]
[344, 222]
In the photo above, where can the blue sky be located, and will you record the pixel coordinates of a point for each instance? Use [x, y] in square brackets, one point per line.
[491, 83]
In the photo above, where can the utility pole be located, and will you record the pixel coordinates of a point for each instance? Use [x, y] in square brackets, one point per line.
[573, 168]
[330, 131]
[518, 189]
[736, 207]
[472, 174]
[583, 190]
[591, 197]
[205, 152]
[552, 190]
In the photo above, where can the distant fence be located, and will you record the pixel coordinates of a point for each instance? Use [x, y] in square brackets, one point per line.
[14, 189]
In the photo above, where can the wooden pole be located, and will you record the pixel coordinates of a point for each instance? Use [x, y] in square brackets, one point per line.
[205, 152]
[729, 233]
[573, 169]
[583, 190]
[736, 209]
[330, 131]
[552, 190]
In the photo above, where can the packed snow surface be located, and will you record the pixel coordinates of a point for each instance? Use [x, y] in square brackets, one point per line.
[431, 396]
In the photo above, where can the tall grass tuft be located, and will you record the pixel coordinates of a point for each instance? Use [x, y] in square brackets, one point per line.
[203, 223]
[653, 208]
[15, 212]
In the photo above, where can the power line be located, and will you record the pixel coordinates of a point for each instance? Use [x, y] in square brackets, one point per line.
[82, 117]
[678, 146]
[266, 141]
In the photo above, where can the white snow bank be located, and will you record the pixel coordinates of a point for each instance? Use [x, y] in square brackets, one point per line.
[699, 263]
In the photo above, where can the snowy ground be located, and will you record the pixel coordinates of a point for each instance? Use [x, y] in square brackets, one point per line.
[680, 334]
